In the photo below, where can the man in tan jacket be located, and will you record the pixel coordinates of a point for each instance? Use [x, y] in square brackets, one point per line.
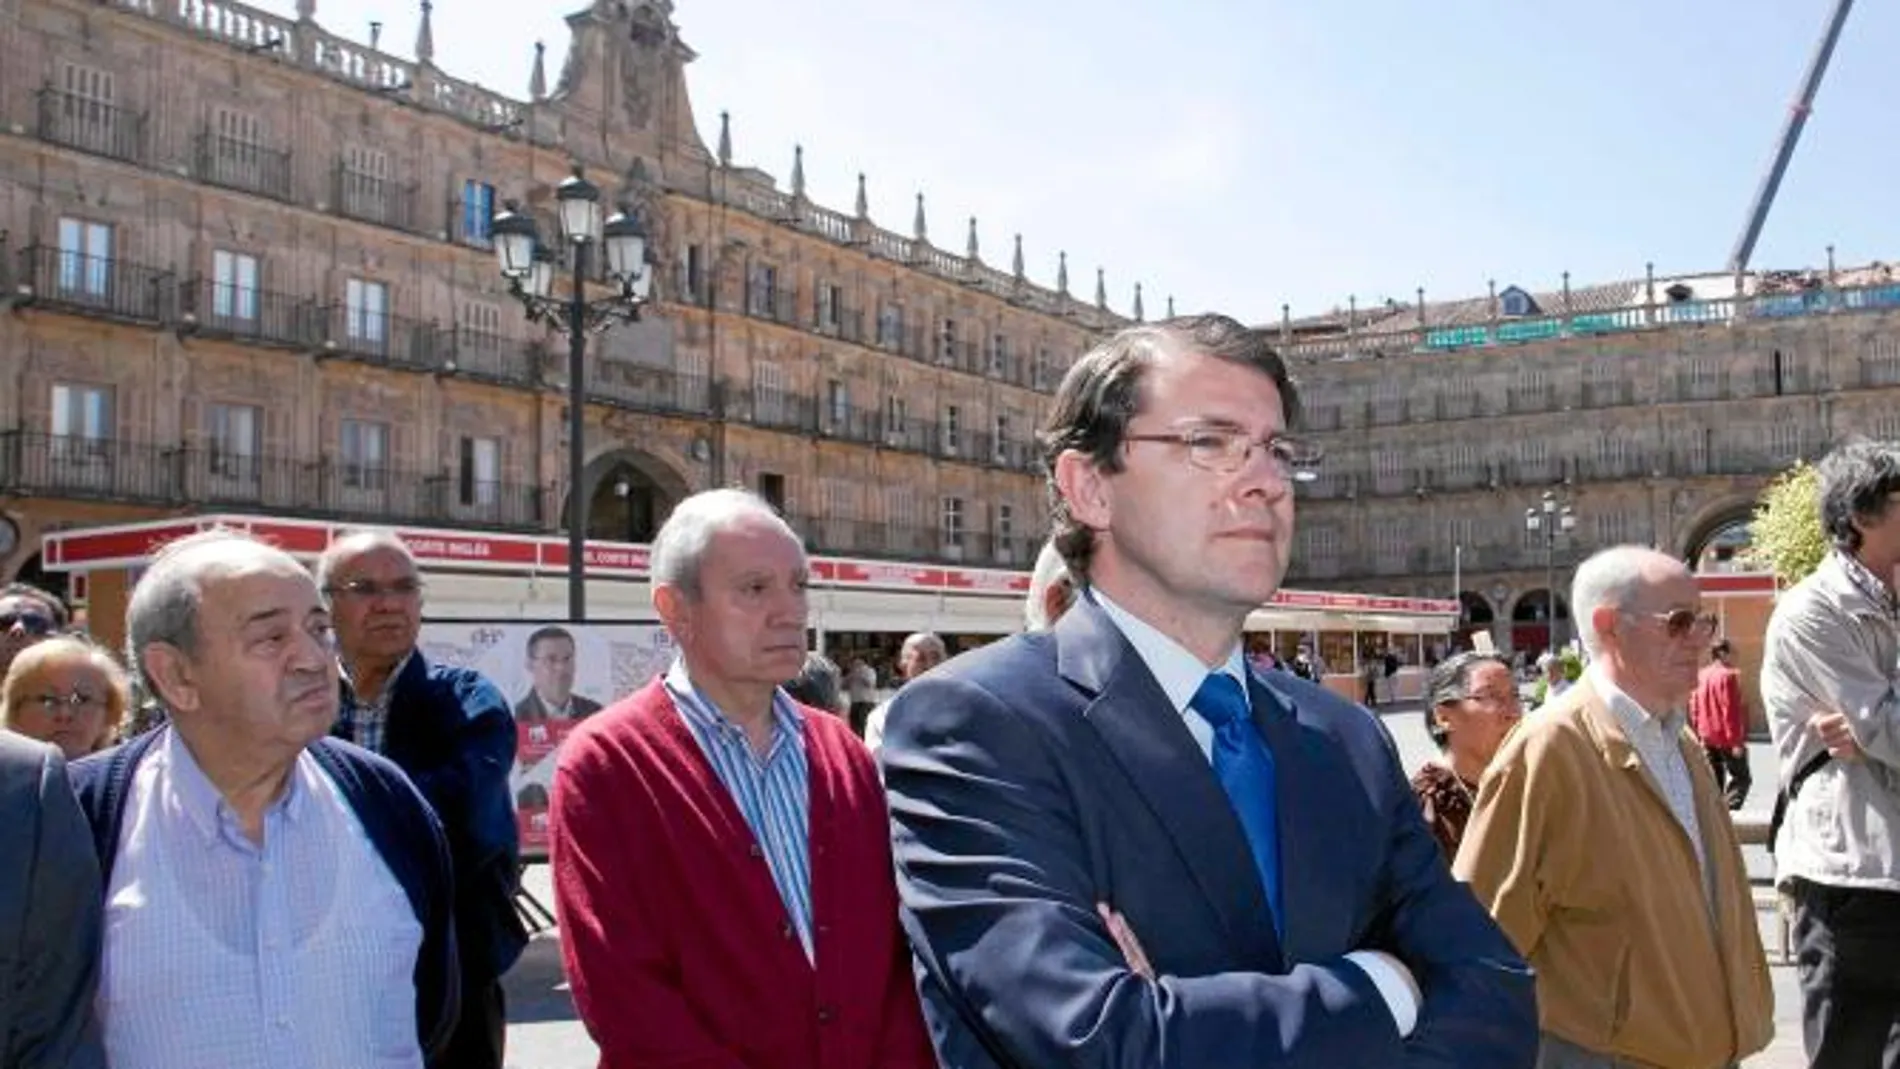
[1604, 850]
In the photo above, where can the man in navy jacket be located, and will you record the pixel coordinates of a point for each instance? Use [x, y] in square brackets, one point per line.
[1117, 845]
[211, 833]
[450, 729]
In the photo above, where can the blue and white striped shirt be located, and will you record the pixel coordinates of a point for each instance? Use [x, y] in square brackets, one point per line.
[773, 792]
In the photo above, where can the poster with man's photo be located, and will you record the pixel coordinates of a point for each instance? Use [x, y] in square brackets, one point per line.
[554, 675]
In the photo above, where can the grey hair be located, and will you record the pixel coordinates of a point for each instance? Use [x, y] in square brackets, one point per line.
[1856, 479]
[1450, 682]
[354, 541]
[1611, 577]
[817, 683]
[165, 602]
[679, 549]
[928, 642]
[1050, 570]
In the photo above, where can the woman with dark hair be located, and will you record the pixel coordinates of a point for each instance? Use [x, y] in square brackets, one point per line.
[1471, 707]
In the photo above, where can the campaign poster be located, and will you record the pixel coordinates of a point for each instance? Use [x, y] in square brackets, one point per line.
[554, 675]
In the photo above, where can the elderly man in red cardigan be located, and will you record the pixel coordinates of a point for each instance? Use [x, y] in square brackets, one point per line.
[721, 854]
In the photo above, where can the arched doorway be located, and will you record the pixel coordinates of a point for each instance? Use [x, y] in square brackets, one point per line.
[629, 495]
[1474, 615]
[1722, 549]
[627, 506]
[1531, 620]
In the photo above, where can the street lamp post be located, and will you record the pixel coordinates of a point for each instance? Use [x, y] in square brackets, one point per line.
[529, 267]
[1554, 517]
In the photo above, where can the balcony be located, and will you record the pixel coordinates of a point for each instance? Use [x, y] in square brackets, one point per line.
[258, 317]
[651, 389]
[493, 358]
[95, 285]
[242, 165]
[369, 198]
[844, 324]
[91, 126]
[850, 423]
[384, 340]
[772, 303]
[113, 469]
[782, 410]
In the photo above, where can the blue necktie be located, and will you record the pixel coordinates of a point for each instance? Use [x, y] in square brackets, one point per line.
[1244, 766]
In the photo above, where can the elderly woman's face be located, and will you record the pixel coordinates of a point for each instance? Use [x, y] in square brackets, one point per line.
[66, 703]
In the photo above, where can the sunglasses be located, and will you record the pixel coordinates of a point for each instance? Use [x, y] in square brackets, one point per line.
[53, 704]
[37, 624]
[1682, 623]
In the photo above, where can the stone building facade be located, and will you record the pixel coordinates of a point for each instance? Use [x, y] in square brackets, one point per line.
[245, 265]
[1655, 410]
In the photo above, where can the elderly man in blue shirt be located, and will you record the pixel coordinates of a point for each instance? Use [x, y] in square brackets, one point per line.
[272, 896]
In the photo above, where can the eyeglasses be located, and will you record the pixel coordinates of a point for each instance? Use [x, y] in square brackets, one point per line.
[37, 624]
[1225, 451]
[1682, 623]
[52, 704]
[369, 588]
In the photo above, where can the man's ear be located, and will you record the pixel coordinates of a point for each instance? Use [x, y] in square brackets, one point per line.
[1084, 488]
[172, 679]
[672, 606]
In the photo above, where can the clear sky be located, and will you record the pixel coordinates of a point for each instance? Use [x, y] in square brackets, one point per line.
[1241, 155]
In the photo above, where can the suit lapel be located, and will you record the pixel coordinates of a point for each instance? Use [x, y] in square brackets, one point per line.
[1138, 724]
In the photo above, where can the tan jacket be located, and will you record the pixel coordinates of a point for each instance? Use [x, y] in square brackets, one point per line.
[1574, 851]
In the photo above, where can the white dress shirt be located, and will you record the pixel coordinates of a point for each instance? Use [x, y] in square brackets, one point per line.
[1180, 674]
[296, 953]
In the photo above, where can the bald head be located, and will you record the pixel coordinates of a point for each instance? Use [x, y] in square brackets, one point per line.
[165, 603]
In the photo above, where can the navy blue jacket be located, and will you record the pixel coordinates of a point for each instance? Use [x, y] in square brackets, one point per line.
[398, 822]
[1039, 776]
[450, 730]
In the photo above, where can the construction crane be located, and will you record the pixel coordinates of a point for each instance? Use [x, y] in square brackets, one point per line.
[1790, 134]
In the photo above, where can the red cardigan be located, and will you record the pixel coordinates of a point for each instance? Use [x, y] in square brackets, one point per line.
[676, 944]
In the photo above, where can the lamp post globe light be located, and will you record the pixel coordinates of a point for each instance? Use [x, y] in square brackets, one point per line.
[1551, 517]
[529, 266]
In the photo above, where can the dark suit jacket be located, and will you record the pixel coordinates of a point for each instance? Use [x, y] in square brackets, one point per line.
[50, 907]
[530, 707]
[449, 728]
[1043, 774]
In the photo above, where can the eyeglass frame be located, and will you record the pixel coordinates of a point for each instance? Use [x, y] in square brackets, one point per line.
[72, 701]
[1287, 468]
[369, 589]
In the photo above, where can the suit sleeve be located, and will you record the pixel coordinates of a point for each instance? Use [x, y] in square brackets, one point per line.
[470, 791]
[54, 1024]
[999, 905]
[615, 956]
[1480, 1001]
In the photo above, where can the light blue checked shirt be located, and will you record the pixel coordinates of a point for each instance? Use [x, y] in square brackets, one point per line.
[296, 953]
[773, 792]
[368, 715]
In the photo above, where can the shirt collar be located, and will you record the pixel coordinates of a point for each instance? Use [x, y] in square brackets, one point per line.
[1632, 716]
[1867, 583]
[1179, 672]
[787, 722]
[203, 805]
[389, 685]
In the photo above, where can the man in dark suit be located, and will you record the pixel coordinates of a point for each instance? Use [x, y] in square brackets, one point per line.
[551, 666]
[49, 915]
[1116, 845]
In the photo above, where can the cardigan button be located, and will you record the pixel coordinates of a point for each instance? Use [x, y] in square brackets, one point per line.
[787, 931]
[755, 850]
[825, 1015]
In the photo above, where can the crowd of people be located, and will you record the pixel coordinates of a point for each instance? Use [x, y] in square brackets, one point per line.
[1111, 840]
